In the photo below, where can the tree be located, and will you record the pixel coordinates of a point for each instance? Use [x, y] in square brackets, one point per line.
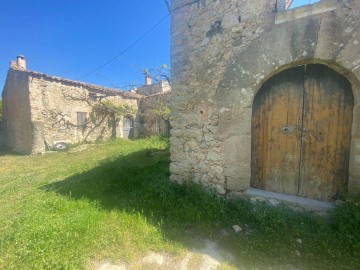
[104, 113]
[158, 74]
[106, 110]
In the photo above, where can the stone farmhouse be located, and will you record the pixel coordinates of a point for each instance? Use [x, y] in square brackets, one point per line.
[41, 111]
[266, 99]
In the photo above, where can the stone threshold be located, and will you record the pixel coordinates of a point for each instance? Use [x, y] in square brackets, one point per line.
[306, 204]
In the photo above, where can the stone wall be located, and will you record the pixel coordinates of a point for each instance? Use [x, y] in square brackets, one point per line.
[156, 88]
[221, 54]
[41, 110]
[54, 108]
[16, 112]
[154, 114]
[2, 134]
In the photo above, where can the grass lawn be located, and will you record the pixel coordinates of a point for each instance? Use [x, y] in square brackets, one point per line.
[113, 202]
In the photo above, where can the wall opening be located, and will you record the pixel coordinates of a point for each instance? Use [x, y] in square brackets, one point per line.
[283, 5]
[299, 3]
[81, 122]
[128, 127]
[301, 133]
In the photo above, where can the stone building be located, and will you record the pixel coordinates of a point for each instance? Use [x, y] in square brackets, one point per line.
[149, 88]
[154, 107]
[266, 100]
[40, 111]
[154, 113]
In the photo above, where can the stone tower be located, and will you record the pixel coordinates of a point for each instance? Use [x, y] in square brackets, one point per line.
[21, 62]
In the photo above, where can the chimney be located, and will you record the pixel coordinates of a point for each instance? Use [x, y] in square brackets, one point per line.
[21, 62]
[148, 80]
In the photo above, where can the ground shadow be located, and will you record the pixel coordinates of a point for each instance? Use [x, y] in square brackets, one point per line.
[139, 182]
[4, 151]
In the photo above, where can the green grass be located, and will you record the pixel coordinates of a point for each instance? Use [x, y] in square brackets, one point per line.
[114, 202]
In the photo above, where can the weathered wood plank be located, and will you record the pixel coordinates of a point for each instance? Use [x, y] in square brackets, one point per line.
[277, 113]
[326, 134]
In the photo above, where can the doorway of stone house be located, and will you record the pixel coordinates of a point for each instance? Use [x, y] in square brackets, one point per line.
[301, 133]
[128, 127]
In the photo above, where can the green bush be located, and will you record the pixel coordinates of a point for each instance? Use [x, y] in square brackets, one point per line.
[346, 220]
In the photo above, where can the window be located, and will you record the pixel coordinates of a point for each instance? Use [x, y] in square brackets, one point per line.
[290, 4]
[81, 119]
[92, 96]
[289, 10]
[283, 5]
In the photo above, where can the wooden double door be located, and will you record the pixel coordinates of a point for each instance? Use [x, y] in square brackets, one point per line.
[301, 132]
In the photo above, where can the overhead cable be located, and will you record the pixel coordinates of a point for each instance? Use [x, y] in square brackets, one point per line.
[126, 49]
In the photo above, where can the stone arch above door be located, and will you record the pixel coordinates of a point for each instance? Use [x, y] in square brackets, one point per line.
[294, 43]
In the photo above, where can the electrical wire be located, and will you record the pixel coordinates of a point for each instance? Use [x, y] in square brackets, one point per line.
[126, 49]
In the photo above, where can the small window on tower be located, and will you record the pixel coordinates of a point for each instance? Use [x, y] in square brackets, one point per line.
[290, 4]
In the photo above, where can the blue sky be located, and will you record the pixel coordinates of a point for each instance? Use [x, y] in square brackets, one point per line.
[297, 3]
[70, 38]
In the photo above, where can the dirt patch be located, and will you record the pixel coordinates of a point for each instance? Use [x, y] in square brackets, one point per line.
[207, 258]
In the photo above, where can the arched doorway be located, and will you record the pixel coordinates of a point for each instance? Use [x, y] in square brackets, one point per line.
[301, 132]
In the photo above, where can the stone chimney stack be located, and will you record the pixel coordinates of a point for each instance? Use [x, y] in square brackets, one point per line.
[148, 80]
[21, 62]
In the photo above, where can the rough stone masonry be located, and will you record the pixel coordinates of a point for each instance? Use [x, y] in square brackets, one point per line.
[222, 52]
[40, 111]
